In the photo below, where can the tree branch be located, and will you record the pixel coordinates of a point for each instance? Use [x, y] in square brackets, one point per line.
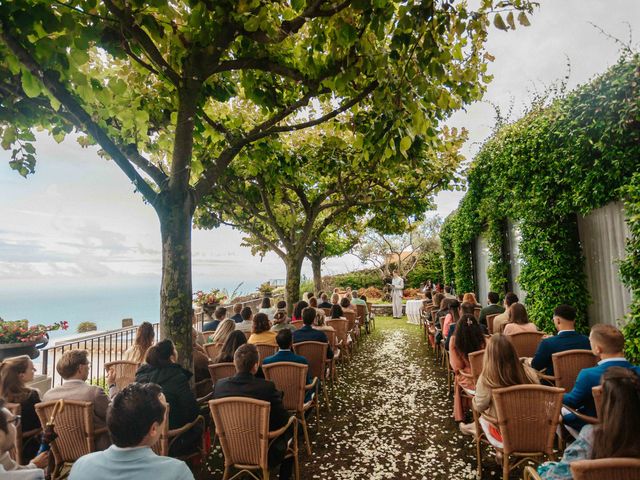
[270, 215]
[264, 64]
[158, 176]
[83, 120]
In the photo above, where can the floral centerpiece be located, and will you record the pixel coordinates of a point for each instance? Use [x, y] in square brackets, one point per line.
[18, 338]
[266, 289]
[209, 300]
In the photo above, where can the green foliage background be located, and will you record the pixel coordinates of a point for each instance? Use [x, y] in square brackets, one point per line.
[570, 156]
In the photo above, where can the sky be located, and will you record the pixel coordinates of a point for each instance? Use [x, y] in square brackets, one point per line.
[78, 222]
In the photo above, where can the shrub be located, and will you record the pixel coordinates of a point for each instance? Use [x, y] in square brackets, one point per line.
[85, 327]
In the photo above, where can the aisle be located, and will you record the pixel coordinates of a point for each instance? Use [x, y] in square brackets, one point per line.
[391, 417]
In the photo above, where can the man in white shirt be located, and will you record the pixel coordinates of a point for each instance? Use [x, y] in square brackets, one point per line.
[134, 421]
[73, 367]
[247, 320]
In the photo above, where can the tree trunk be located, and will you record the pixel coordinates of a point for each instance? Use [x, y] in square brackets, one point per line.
[316, 265]
[292, 287]
[176, 311]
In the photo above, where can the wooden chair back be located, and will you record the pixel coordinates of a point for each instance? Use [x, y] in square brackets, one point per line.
[290, 378]
[526, 343]
[16, 452]
[361, 314]
[332, 337]
[316, 354]
[476, 360]
[596, 392]
[213, 350]
[298, 324]
[340, 325]
[476, 312]
[327, 311]
[527, 417]
[568, 364]
[161, 447]
[490, 319]
[265, 350]
[125, 372]
[369, 306]
[351, 319]
[207, 334]
[242, 425]
[609, 468]
[218, 371]
[74, 426]
[247, 335]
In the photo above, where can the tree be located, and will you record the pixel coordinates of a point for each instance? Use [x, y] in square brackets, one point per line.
[304, 189]
[403, 252]
[332, 242]
[173, 91]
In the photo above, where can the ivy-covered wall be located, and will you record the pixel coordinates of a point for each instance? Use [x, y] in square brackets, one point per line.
[571, 156]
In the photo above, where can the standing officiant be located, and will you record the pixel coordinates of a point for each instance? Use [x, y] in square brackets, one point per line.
[397, 285]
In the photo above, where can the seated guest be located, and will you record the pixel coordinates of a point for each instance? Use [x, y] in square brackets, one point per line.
[223, 331]
[502, 319]
[318, 323]
[218, 316]
[501, 367]
[161, 368]
[470, 298]
[307, 333]
[452, 317]
[245, 384]
[335, 299]
[607, 342]
[15, 373]
[358, 301]
[261, 331]
[134, 421]
[281, 321]
[518, 321]
[237, 317]
[200, 365]
[345, 303]
[336, 312]
[466, 308]
[448, 294]
[324, 303]
[467, 339]
[9, 469]
[234, 341]
[616, 434]
[297, 310]
[145, 336]
[285, 354]
[247, 324]
[313, 302]
[265, 307]
[564, 318]
[491, 309]
[73, 367]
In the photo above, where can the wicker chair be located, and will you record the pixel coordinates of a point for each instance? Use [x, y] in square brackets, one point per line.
[21, 437]
[526, 343]
[125, 372]
[298, 324]
[247, 335]
[167, 437]
[568, 364]
[361, 316]
[291, 379]
[213, 350]
[528, 416]
[335, 346]
[490, 322]
[316, 355]
[327, 311]
[265, 350]
[76, 433]
[351, 322]
[609, 468]
[242, 424]
[372, 319]
[340, 325]
[219, 371]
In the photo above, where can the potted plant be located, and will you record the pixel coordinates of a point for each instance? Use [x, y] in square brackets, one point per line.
[266, 289]
[209, 301]
[18, 338]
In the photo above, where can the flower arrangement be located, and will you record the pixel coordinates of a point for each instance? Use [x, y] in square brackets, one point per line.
[213, 297]
[21, 332]
[266, 288]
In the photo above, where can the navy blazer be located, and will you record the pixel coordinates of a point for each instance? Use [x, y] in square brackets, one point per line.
[581, 398]
[288, 356]
[246, 385]
[563, 341]
[309, 334]
[237, 318]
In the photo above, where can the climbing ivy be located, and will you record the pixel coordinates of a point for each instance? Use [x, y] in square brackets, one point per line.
[498, 270]
[564, 157]
[630, 268]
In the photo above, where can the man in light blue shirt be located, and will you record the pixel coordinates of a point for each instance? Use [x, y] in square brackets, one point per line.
[134, 420]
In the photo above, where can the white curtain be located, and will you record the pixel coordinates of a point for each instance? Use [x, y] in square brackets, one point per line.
[481, 256]
[515, 262]
[602, 235]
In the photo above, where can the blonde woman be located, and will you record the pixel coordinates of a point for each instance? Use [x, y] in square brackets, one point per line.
[318, 323]
[223, 331]
[145, 337]
[518, 321]
[15, 373]
[501, 368]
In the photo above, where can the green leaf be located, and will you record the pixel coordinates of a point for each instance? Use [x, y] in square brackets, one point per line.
[511, 21]
[297, 4]
[30, 85]
[523, 20]
[498, 22]
[405, 144]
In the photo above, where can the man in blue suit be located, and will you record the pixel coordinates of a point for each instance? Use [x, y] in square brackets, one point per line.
[607, 342]
[564, 318]
[285, 354]
[308, 334]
